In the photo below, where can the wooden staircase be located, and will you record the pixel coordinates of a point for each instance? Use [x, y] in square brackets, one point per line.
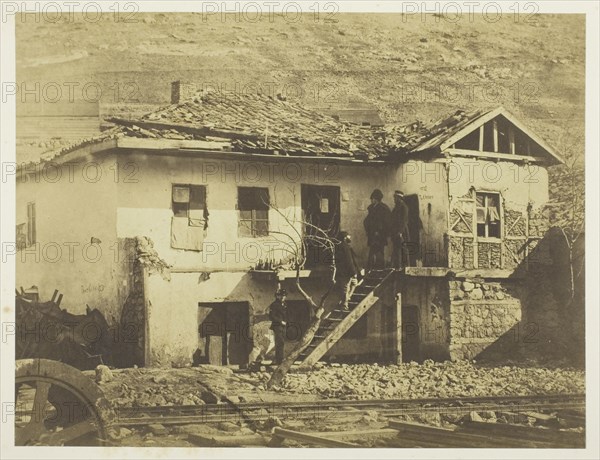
[337, 322]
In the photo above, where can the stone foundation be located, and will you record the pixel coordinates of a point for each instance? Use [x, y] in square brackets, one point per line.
[481, 313]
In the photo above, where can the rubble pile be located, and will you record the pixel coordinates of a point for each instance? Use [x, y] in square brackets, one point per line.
[214, 384]
[148, 256]
[431, 380]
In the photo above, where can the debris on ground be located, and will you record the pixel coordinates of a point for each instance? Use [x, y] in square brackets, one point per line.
[432, 380]
[219, 385]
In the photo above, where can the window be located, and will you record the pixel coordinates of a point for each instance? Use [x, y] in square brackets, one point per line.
[253, 205]
[190, 201]
[190, 217]
[488, 215]
[31, 227]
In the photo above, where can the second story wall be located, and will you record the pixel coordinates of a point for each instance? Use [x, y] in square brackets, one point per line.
[66, 230]
[149, 206]
[494, 212]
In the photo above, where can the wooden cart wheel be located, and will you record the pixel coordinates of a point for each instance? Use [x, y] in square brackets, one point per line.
[58, 405]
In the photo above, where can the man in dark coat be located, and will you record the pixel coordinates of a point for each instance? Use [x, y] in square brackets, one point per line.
[278, 315]
[399, 231]
[347, 269]
[377, 226]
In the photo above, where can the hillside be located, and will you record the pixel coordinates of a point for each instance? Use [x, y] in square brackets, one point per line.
[407, 69]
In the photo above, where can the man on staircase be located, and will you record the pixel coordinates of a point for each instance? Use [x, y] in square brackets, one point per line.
[347, 269]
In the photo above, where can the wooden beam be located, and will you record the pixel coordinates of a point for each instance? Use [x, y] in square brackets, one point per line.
[564, 439]
[495, 125]
[445, 437]
[208, 440]
[471, 127]
[170, 144]
[377, 432]
[281, 434]
[493, 155]
[481, 138]
[398, 328]
[346, 323]
[441, 272]
[511, 140]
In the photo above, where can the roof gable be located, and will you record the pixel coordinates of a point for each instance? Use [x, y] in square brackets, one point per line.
[495, 131]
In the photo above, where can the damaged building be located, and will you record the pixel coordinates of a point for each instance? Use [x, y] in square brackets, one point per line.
[174, 226]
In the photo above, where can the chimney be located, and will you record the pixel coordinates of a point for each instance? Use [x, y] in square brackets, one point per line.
[181, 90]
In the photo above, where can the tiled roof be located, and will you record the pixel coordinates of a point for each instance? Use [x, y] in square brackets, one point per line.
[260, 123]
[255, 123]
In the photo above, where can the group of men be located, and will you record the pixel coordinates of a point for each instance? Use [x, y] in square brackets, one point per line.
[381, 225]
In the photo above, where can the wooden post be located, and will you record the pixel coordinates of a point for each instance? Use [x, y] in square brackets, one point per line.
[146, 359]
[511, 139]
[495, 124]
[481, 138]
[398, 326]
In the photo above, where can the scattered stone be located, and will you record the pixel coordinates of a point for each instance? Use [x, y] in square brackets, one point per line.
[468, 286]
[228, 426]
[274, 421]
[124, 432]
[488, 415]
[209, 397]
[474, 417]
[158, 429]
[367, 419]
[103, 374]
[372, 414]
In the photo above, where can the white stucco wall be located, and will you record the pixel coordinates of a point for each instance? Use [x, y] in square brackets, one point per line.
[519, 184]
[73, 203]
[144, 207]
[428, 182]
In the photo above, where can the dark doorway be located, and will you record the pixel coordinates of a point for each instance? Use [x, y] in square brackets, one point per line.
[415, 227]
[410, 333]
[321, 209]
[224, 333]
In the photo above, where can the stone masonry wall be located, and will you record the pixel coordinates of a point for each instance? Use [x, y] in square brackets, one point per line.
[481, 313]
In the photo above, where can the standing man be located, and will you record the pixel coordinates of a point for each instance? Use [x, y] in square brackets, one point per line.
[347, 270]
[277, 315]
[377, 225]
[399, 231]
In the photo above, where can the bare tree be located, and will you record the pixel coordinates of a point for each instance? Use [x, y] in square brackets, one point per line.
[568, 186]
[295, 243]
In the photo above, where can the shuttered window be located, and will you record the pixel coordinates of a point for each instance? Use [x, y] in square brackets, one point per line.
[253, 207]
[488, 215]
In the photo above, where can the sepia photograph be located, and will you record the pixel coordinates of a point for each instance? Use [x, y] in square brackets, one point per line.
[285, 225]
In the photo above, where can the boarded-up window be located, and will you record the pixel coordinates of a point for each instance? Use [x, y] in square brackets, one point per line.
[190, 216]
[488, 215]
[21, 237]
[253, 206]
[190, 201]
[31, 224]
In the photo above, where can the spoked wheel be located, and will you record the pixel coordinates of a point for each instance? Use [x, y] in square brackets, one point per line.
[57, 405]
